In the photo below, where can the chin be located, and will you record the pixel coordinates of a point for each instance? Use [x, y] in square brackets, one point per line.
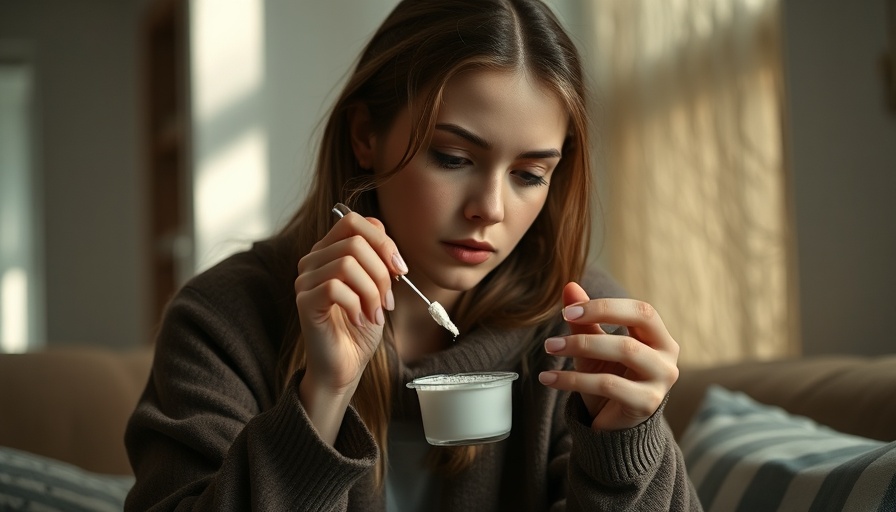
[461, 280]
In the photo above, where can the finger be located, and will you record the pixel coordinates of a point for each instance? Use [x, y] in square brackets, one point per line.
[646, 362]
[374, 232]
[356, 247]
[575, 294]
[376, 223]
[639, 316]
[349, 271]
[317, 303]
[638, 398]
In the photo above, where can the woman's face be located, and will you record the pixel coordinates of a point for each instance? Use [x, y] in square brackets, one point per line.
[467, 198]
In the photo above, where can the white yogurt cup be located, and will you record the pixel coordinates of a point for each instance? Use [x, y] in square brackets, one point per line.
[465, 408]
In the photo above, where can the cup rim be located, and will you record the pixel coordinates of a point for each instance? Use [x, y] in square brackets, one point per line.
[484, 380]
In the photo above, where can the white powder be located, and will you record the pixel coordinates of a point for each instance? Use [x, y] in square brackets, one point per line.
[463, 378]
[441, 317]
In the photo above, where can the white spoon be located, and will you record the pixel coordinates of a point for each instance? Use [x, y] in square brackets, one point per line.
[436, 310]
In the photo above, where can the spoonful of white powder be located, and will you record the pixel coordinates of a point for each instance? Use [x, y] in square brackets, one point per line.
[436, 310]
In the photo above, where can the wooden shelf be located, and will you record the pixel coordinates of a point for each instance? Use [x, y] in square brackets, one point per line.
[167, 148]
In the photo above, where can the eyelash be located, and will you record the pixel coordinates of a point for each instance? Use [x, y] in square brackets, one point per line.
[448, 161]
[456, 162]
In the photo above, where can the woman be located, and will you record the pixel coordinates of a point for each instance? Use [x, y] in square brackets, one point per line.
[279, 378]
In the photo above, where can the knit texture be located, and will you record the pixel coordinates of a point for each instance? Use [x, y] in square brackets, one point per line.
[213, 431]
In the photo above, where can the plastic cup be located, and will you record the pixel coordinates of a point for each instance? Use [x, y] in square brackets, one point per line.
[465, 408]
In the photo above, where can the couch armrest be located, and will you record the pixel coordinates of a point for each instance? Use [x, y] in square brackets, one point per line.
[848, 393]
[72, 404]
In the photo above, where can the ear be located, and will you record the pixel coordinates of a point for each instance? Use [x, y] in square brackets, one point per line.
[361, 133]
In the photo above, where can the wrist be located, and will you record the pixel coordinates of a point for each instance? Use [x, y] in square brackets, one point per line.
[324, 406]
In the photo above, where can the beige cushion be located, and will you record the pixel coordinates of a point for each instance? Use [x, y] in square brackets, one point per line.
[72, 404]
[851, 394]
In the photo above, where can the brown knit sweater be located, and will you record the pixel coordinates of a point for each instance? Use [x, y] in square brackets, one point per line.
[214, 431]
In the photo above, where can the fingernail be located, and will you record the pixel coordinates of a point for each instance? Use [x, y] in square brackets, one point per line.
[573, 312]
[547, 378]
[554, 344]
[380, 319]
[390, 300]
[399, 263]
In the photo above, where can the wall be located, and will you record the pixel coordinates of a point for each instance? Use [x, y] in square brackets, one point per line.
[255, 126]
[842, 149]
[307, 50]
[86, 70]
[310, 47]
[843, 158]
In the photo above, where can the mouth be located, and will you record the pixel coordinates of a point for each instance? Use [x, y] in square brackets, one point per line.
[471, 252]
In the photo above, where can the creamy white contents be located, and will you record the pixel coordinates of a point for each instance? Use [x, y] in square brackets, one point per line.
[465, 408]
[441, 317]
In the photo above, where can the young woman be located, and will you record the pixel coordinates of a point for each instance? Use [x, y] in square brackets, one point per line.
[461, 141]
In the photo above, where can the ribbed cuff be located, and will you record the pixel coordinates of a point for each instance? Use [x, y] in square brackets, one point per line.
[614, 457]
[314, 473]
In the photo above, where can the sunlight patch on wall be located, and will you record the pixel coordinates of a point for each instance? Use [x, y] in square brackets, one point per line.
[228, 54]
[14, 311]
[21, 319]
[230, 152]
[231, 198]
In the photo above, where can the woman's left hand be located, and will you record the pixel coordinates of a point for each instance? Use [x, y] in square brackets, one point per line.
[622, 379]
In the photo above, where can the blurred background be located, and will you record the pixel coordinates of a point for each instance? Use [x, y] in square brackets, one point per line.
[746, 158]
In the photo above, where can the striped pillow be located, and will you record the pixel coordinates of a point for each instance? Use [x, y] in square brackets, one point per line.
[33, 482]
[743, 455]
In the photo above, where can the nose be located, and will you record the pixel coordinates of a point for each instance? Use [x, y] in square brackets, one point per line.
[485, 201]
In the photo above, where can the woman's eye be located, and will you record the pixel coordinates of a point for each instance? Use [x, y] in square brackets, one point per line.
[448, 161]
[529, 179]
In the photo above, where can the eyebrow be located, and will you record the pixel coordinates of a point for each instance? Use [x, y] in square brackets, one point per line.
[482, 143]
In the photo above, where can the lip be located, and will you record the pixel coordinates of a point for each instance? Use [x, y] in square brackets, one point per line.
[471, 252]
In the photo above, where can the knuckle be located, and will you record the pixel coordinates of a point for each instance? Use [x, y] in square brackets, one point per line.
[607, 385]
[301, 283]
[672, 374]
[329, 287]
[674, 350]
[385, 247]
[630, 347]
[356, 242]
[645, 310]
[576, 343]
[571, 379]
[302, 266]
[345, 265]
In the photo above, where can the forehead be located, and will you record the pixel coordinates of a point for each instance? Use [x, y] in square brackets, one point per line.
[505, 107]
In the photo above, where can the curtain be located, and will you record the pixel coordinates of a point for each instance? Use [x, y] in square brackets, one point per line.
[697, 216]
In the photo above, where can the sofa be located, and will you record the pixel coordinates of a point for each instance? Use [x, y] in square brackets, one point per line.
[72, 404]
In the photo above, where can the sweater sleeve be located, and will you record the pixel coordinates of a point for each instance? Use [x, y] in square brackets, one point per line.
[640, 468]
[208, 433]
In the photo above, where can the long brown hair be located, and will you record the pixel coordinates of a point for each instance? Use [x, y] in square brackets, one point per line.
[413, 54]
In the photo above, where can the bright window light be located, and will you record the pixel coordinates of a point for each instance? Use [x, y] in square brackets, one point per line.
[230, 148]
[14, 311]
[228, 54]
[231, 198]
[20, 320]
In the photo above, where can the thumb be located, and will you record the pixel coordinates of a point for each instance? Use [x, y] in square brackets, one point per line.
[376, 222]
[575, 294]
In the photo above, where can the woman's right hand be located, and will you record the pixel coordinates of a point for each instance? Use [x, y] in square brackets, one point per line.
[343, 287]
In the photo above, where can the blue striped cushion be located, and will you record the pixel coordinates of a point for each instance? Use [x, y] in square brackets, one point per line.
[32, 482]
[746, 456]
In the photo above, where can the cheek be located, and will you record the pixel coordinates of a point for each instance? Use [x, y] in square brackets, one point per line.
[411, 201]
[524, 211]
